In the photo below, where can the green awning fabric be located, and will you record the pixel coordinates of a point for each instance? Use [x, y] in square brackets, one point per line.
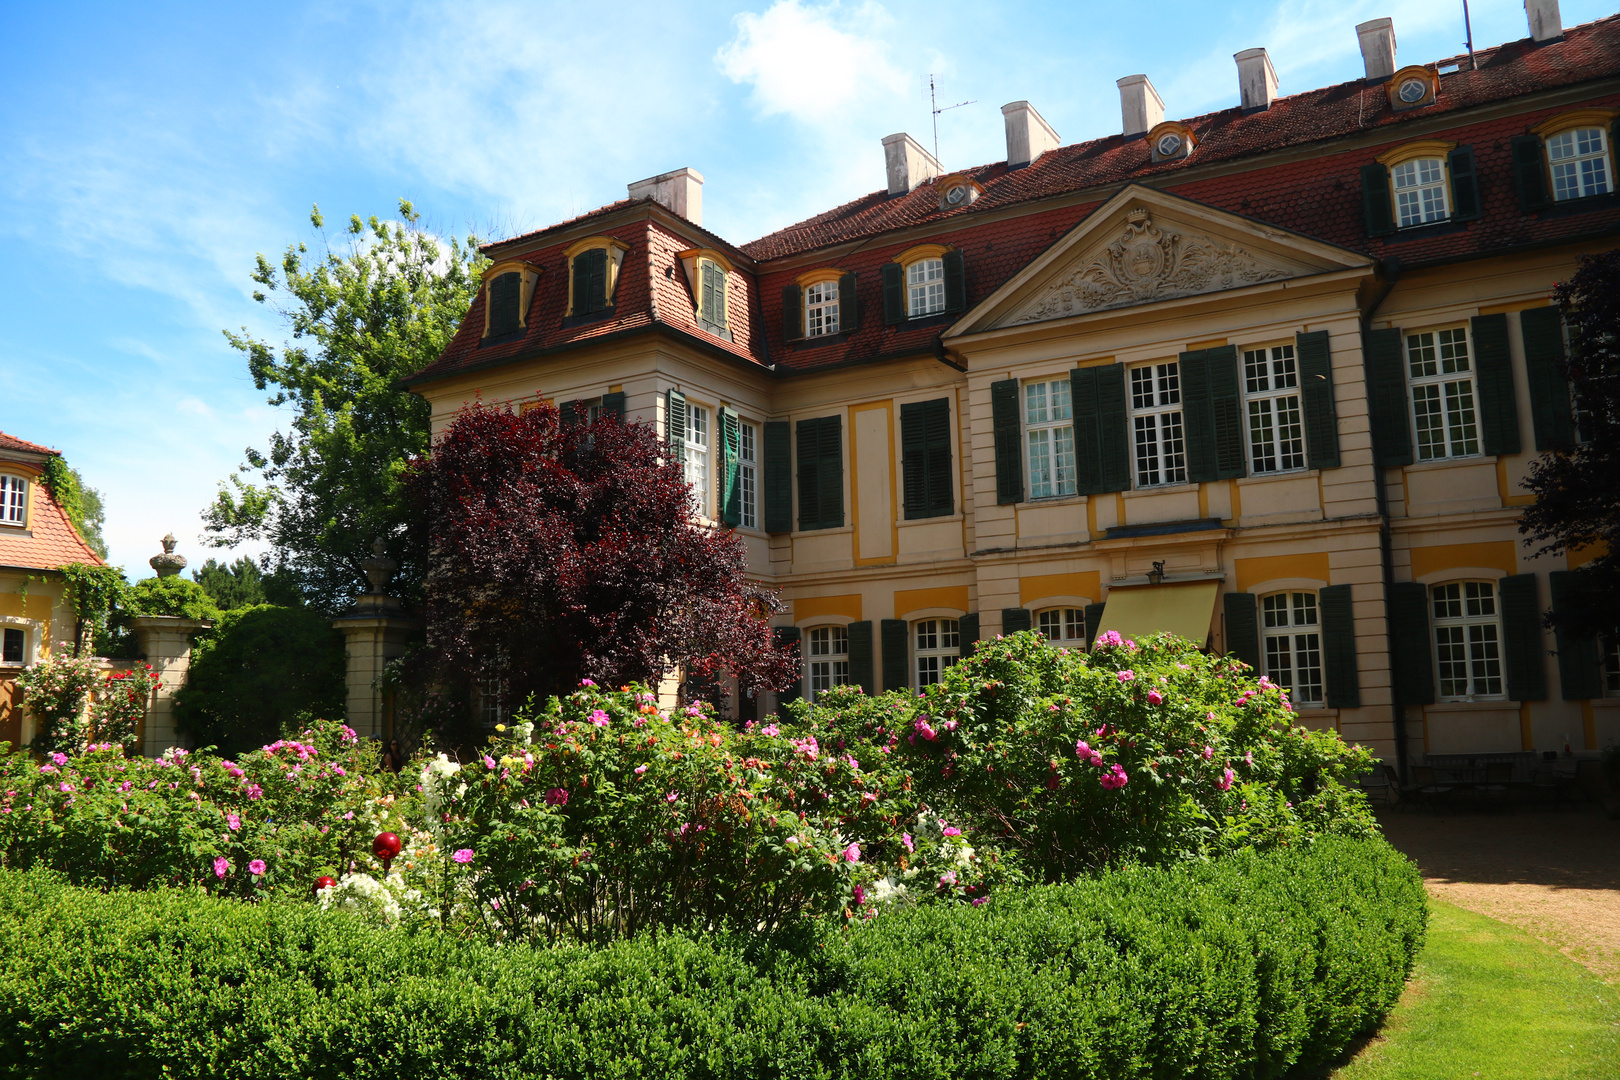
[1184, 609]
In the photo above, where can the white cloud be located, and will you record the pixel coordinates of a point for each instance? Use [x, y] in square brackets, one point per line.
[812, 63]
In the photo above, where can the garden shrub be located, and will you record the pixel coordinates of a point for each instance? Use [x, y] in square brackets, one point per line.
[1246, 966]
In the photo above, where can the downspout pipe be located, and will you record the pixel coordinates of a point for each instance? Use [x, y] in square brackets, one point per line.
[1389, 272]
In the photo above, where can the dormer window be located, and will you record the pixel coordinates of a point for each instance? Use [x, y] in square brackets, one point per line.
[593, 276]
[925, 287]
[708, 273]
[1412, 88]
[821, 309]
[819, 304]
[1420, 183]
[924, 281]
[1579, 162]
[1420, 191]
[1566, 158]
[957, 190]
[13, 500]
[1171, 141]
[508, 292]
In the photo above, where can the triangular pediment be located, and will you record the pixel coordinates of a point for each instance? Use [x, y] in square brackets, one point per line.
[1144, 246]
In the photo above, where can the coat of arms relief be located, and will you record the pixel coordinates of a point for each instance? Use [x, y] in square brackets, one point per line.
[1149, 263]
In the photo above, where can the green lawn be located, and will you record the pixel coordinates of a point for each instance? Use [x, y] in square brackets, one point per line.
[1487, 1000]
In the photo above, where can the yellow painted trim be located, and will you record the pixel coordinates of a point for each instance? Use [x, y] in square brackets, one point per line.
[855, 492]
[1203, 501]
[1527, 735]
[707, 253]
[1096, 361]
[1040, 586]
[944, 596]
[1212, 343]
[506, 266]
[816, 607]
[1423, 712]
[1119, 507]
[1579, 557]
[1505, 490]
[1422, 148]
[531, 278]
[1576, 118]
[1412, 71]
[616, 388]
[1091, 516]
[921, 251]
[819, 274]
[1237, 500]
[1495, 554]
[590, 242]
[33, 606]
[615, 249]
[1250, 572]
[1589, 725]
[1176, 126]
[1521, 305]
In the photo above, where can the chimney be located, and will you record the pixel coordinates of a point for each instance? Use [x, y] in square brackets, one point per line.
[1545, 22]
[1139, 105]
[1028, 134]
[1257, 79]
[908, 163]
[680, 192]
[1378, 47]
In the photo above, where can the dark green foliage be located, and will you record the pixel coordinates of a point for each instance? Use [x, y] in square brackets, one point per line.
[265, 669]
[79, 501]
[1245, 967]
[237, 585]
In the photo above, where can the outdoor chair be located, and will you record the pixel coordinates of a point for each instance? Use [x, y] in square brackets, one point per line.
[1497, 788]
[1392, 785]
[1428, 790]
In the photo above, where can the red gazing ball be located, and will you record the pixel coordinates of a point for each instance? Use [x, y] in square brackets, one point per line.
[386, 846]
[324, 882]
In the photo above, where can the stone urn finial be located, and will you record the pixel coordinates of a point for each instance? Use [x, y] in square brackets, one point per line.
[379, 568]
[168, 564]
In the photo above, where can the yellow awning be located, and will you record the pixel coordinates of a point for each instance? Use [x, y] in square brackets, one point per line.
[1184, 609]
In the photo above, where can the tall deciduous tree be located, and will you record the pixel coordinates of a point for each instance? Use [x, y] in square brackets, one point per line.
[558, 552]
[1578, 492]
[361, 319]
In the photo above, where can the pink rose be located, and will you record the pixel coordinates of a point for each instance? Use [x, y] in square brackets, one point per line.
[769, 731]
[952, 830]
[221, 865]
[233, 822]
[599, 718]
[1115, 778]
[640, 769]
[1155, 697]
[257, 867]
[905, 838]
[852, 853]
[463, 856]
[556, 797]
[1126, 676]
[1225, 782]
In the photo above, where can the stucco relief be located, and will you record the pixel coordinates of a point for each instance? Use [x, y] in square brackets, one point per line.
[1149, 263]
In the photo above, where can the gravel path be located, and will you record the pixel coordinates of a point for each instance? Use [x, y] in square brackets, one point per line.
[1554, 874]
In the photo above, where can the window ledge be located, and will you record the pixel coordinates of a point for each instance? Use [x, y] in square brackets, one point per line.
[818, 341]
[570, 321]
[822, 532]
[1446, 463]
[1283, 474]
[1478, 705]
[1055, 500]
[1586, 204]
[1424, 232]
[938, 318]
[20, 532]
[1160, 489]
[937, 519]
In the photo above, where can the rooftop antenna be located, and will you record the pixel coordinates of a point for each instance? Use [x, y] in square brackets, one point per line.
[1468, 31]
[933, 104]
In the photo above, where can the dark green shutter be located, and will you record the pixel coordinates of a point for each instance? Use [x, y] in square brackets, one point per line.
[849, 305]
[787, 636]
[572, 412]
[1009, 442]
[730, 468]
[1521, 627]
[821, 473]
[1088, 465]
[968, 626]
[1015, 619]
[896, 655]
[1386, 396]
[1243, 628]
[925, 447]
[1102, 448]
[913, 461]
[1464, 184]
[675, 426]
[860, 656]
[778, 476]
[894, 294]
[712, 306]
[1530, 173]
[792, 312]
[955, 281]
[1094, 614]
[1414, 657]
[809, 472]
[1580, 674]
[1339, 647]
[1542, 331]
[1316, 399]
[613, 404]
[1375, 200]
[1498, 405]
[1212, 413]
[590, 281]
[504, 295]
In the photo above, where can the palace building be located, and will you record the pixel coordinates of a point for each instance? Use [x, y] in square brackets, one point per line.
[1268, 378]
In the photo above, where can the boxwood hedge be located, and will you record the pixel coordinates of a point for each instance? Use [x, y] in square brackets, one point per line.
[1247, 966]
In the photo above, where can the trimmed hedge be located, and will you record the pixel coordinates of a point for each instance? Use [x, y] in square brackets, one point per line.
[1243, 967]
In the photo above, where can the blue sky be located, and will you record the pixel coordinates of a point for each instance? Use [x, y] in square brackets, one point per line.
[148, 151]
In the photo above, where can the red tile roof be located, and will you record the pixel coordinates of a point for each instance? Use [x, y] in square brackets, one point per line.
[48, 542]
[11, 442]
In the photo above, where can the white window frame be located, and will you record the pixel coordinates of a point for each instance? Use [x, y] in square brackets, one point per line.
[748, 473]
[1049, 438]
[13, 500]
[1274, 410]
[925, 287]
[1579, 171]
[826, 659]
[1064, 626]
[1448, 398]
[1291, 644]
[821, 315]
[1419, 186]
[696, 455]
[1467, 631]
[1158, 430]
[8, 628]
[936, 644]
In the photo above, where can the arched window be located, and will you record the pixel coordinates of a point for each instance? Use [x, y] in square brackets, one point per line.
[1063, 626]
[1292, 644]
[821, 315]
[938, 644]
[925, 287]
[826, 658]
[1420, 191]
[1467, 639]
[13, 500]
[593, 275]
[1579, 163]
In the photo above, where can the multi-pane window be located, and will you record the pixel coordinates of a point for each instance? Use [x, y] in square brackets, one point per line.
[1467, 639]
[1276, 432]
[1049, 433]
[938, 645]
[13, 642]
[1580, 163]
[1063, 626]
[828, 658]
[748, 473]
[925, 287]
[13, 500]
[821, 308]
[1420, 191]
[1611, 668]
[1161, 451]
[493, 688]
[697, 455]
[1442, 393]
[1293, 644]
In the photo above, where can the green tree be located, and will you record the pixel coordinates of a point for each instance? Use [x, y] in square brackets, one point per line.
[263, 671]
[361, 318]
[81, 502]
[234, 585]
